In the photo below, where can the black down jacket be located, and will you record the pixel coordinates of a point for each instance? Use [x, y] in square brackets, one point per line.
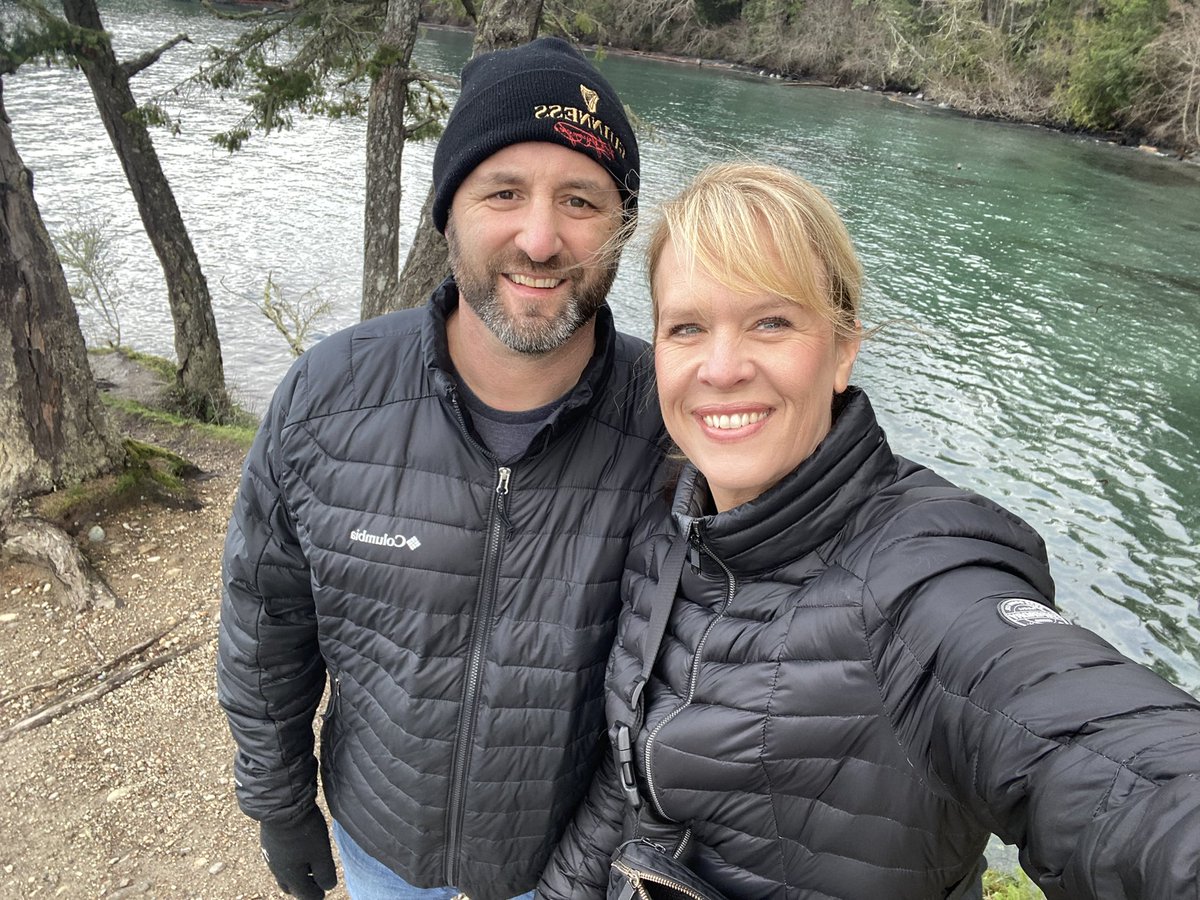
[848, 700]
[462, 610]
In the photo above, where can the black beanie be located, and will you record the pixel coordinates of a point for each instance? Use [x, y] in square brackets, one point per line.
[541, 91]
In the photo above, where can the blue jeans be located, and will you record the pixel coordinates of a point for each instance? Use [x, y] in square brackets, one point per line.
[367, 878]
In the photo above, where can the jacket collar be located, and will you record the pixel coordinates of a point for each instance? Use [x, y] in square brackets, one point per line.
[804, 510]
[592, 382]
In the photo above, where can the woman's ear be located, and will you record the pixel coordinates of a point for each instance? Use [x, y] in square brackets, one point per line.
[847, 353]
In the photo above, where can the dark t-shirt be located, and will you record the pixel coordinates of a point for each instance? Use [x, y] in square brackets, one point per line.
[506, 434]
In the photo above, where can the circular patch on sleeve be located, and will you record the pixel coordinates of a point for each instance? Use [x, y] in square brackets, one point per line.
[1019, 612]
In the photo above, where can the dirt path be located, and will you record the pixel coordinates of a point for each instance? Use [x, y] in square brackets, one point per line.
[130, 794]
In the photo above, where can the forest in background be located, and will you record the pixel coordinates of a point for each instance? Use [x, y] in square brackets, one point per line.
[1127, 68]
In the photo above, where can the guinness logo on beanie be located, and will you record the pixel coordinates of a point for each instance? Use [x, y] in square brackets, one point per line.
[541, 91]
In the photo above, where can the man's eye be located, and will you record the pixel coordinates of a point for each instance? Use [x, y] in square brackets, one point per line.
[505, 195]
[579, 203]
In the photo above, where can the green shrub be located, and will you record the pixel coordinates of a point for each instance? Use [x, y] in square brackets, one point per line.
[999, 885]
[1105, 70]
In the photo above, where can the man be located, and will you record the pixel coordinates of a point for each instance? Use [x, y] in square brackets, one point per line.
[435, 515]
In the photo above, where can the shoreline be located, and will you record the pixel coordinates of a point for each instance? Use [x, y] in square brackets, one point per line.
[913, 99]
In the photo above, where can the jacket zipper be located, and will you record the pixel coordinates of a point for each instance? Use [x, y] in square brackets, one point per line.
[693, 677]
[481, 629]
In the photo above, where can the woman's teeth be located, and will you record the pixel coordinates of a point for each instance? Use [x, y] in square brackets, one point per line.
[737, 420]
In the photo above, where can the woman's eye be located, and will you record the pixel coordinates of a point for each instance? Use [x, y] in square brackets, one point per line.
[685, 330]
[774, 323]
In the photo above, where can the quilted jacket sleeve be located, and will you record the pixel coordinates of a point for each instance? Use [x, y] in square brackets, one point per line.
[1085, 760]
[270, 675]
[578, 868]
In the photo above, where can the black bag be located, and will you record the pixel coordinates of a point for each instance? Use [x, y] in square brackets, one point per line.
[644, 871]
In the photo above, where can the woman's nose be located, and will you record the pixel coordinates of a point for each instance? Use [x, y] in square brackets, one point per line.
[726, 364]
[539, 236]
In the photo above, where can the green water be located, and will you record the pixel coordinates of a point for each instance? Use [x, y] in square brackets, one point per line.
[1042, 292]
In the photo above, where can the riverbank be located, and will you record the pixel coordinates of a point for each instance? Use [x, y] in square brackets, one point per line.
[917, 99]
[914, 99]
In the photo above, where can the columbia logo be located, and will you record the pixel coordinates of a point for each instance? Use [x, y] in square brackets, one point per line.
[385, 540]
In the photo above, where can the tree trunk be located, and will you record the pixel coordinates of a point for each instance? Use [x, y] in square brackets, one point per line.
[385, 147]
[428, 261]
[501, 24]
[506, 23]
[200, 377]
[53, 429]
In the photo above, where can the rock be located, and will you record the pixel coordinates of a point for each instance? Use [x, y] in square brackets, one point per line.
[142, 887]
[118, 794]
[95, 534]
[216, 868]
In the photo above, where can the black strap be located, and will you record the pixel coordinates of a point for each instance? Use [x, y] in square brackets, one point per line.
[660, 611]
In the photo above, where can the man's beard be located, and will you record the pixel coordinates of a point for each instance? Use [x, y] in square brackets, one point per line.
[529, 331]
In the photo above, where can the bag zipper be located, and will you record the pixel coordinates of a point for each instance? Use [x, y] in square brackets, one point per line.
[637, 876]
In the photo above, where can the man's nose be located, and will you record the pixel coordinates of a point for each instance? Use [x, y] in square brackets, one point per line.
[540, 237]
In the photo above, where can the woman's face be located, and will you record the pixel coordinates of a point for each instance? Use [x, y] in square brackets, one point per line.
[746, 382]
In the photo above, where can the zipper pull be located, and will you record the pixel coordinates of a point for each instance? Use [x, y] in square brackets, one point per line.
[693, 554]
[503, 473]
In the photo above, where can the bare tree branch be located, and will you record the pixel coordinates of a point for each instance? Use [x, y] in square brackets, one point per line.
[49, 713]
[95, 672]
[150, 57]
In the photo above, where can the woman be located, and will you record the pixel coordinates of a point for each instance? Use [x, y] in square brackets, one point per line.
[862, 674]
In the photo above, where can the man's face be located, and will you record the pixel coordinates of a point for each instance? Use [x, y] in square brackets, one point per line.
[531, 243]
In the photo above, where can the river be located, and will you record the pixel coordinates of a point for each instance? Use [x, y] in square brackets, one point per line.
[1041, 292]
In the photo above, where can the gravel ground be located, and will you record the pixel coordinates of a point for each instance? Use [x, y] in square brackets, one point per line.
[131, 793]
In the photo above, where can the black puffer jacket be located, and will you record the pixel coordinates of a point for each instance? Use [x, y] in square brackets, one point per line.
[463, 611]
[847, 702]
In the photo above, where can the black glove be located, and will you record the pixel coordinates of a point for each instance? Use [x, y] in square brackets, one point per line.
[299, 856]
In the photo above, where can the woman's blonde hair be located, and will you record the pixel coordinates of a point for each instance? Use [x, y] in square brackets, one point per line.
[758, 228]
